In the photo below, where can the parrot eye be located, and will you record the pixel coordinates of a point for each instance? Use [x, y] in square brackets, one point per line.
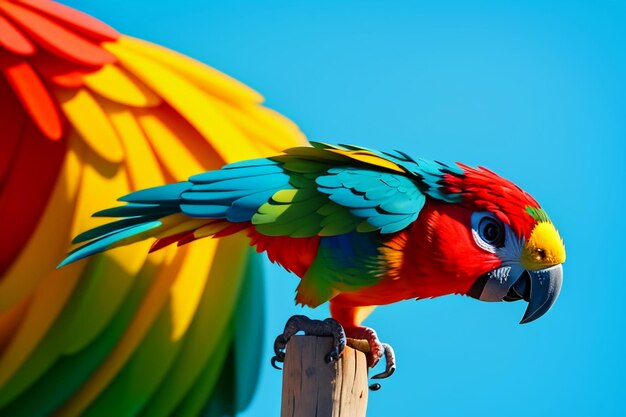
[491, 231]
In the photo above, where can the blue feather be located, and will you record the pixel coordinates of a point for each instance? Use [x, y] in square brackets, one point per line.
[404, 206]
[250, 163]
[206, 211]
[347, 198]
[200, 194]
[158, 195]
[112, 227]
[105, 242]
[134, 209]
[243, 209]
[239, 172]
[247, 183]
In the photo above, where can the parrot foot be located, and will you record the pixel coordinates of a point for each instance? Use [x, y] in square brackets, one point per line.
[374, 349]
[390, 363]
[328, 327]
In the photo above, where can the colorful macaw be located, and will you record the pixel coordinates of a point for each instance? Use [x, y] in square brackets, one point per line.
[360, 227]
[88, 114]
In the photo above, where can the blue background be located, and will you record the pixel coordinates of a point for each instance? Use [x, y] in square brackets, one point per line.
[534, 91]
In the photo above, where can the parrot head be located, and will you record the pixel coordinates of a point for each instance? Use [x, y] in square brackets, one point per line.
[495, 244]
[530, 266]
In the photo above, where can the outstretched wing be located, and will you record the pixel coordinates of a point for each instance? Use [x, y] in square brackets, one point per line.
[304, 192]
[87, 115]
[316, 193]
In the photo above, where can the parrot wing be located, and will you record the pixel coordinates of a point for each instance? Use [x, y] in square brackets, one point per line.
[305, 192]
[321, 192]
[89, 114]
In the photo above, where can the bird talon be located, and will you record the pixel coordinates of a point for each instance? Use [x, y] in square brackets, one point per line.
[275, 360]
[390, 362]
[327, 327]
[330, 327]
[374, 350]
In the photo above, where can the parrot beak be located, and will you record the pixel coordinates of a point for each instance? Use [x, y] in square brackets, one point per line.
[540, 288]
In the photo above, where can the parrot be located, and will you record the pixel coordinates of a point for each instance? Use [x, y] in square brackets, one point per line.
[89, 114]
[360, 227]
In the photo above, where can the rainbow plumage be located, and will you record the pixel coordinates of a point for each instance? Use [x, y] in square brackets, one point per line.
[89, 114]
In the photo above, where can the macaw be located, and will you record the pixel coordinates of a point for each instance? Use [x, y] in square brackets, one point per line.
[88, 114]
[360, 227]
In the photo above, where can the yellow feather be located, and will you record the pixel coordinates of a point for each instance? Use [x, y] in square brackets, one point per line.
[110, 274]
[210, 229]
[273, 125]
[118, 85]
[544, 248]
[195, 105]
[185, 292]
[91, 123]
[369, 159]
[205, 335]
[141, 163]
[266, 137]
[187, 225]
[209, 79]
[177, 158]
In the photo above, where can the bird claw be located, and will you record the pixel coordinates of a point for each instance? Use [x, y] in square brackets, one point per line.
[390, 363]
[321, 328]
[376, 351]
[330, 327]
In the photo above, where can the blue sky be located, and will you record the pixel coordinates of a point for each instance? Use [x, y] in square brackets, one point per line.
[533, 90]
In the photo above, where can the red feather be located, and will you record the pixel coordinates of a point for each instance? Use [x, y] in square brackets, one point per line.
[438, 257]
[24, 194]
[13, 40]
[73, 18]
[483, 190]
[33, 94]
[294, 254]
[56, 38]
[12, 118]
[59, 71]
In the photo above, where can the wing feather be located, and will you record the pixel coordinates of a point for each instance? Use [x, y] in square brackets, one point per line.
[33, 95]
[195, 105]
[119, 86]
[55, 38]
[80, 334]
[87, 116]
[13, 39]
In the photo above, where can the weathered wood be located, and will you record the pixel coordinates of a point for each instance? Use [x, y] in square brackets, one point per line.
[314, 388]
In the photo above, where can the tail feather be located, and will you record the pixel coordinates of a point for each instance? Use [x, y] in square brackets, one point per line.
[166, 241]
[108, 241]
[135, 209]
[111, 228]
[214, 203]
[149, 213]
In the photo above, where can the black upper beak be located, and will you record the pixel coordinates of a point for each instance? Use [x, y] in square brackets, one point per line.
[540, 288]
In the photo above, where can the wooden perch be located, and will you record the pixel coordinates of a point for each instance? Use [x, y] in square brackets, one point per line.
[314, 388]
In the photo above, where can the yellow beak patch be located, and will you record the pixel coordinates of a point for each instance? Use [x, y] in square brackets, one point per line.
[544, 248]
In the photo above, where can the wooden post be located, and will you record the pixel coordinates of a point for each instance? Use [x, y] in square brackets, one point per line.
[314, 388]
